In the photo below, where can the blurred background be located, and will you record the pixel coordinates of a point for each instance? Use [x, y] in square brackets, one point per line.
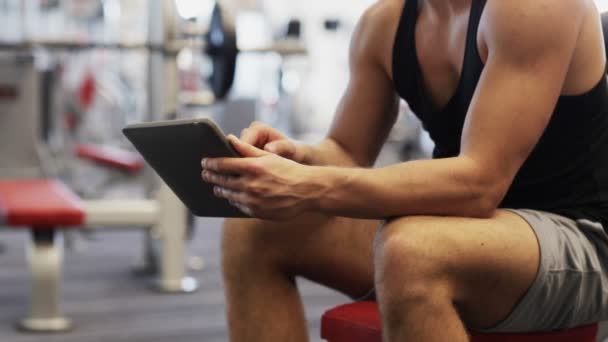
[73, 73]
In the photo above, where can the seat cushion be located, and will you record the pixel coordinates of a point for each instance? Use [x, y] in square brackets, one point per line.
[360, 322]
[112, 157]
[39, 204]
[356, 322]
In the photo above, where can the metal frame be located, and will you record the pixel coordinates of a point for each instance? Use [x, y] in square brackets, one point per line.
[45, 257]
[166, 219]
[283, 48]
[166, 222]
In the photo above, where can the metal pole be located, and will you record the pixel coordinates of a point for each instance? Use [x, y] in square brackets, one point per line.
[23, 16]
[166, 242]
[154, 87]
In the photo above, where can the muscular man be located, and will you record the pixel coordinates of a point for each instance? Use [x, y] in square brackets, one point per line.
[501, 231]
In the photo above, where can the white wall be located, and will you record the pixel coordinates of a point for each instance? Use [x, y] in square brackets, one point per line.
[602, 5]
[327, 75]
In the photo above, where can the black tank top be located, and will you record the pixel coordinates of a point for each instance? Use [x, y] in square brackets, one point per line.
[567, 172]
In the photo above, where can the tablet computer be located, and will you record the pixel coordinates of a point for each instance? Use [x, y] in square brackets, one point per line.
[174, 149]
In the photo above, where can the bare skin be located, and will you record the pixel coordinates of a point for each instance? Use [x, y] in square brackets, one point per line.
[451, 259]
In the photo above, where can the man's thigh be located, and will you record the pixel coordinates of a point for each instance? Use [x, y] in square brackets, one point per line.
[491, 263]
[334, 251]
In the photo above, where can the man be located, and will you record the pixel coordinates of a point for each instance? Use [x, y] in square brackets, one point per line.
[501, 231]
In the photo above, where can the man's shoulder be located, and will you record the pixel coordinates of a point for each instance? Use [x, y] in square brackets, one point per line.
[544, 4]
[373, 39]
[525, 24]
[378, 25]
[537, 13]
[383, 9]
[381, 12]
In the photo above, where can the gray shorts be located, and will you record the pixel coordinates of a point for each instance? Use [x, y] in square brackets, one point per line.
[571, 287]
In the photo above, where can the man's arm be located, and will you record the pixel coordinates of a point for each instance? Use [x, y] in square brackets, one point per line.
[368, 108]
[530, 46]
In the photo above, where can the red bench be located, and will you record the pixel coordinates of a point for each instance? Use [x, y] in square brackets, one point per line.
[360, 322]
[43, 206]
[110, 156]
[40, 204]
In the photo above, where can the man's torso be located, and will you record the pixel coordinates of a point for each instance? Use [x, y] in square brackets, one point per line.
[438, 39]
[440, 46]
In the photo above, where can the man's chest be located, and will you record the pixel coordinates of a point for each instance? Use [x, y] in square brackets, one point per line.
[441, 47]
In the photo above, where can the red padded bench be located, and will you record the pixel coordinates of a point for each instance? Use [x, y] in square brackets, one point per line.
[43, 206]
[110, 156]
[39, 204]
[360, 322]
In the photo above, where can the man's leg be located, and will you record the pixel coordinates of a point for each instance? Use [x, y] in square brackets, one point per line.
[261, 260]
[436, 275]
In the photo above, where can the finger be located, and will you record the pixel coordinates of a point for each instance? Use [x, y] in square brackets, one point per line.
[258, 124]
[269, 133]
[257, 134]
[222, 180]
[234, 166]
[231, 195]
[251, 136]
[245, 149]
[238, 199]
[284, 148]
[246, 210]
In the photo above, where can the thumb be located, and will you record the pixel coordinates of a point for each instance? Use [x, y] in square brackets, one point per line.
[244, 149]
[284, 148]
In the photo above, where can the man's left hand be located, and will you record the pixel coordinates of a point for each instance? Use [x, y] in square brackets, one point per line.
[262, 184]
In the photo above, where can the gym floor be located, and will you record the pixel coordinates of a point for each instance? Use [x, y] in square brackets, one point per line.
[107, 303]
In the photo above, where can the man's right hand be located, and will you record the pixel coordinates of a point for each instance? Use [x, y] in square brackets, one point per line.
[271, 140]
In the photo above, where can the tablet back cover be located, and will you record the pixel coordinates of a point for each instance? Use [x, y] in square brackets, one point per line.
[174, 149]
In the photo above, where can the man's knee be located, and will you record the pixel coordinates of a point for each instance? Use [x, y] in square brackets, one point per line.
[240, 232]
[409, 266]
[244, 237]
[260, 236]
[250, 242]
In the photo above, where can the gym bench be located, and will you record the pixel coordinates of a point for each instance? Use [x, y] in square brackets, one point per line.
[119, 159]
[46, 206]
[43, 207]
[360, 322]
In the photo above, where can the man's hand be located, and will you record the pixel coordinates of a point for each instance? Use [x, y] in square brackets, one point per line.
[262, 184]
[271, 140]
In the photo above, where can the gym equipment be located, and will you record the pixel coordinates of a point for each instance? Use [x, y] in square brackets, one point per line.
[221, 46]
[42, 207]
[220, 43]
[30, 197]
[331, 24]
[360, 322]
[294, 29]
[113, 157]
